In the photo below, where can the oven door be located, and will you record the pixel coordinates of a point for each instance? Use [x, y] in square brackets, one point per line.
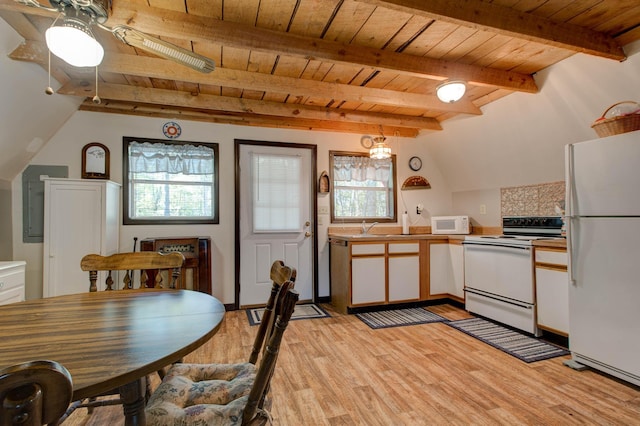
[501, 270]
[499, 284]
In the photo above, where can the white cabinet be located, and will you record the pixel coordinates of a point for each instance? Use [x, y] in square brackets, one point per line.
[552, 290]
[368, 273]
[456, 252]
[374, 273]
[446, 269]
[404, 271]
[80, 217]
[440, 274]
[12, 282]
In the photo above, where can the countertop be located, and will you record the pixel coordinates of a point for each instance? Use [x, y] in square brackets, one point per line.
[557, 243]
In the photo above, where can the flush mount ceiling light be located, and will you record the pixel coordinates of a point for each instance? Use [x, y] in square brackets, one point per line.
[72, 41]
[451, 91]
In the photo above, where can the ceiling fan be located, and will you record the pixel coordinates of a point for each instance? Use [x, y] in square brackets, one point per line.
[80, 15]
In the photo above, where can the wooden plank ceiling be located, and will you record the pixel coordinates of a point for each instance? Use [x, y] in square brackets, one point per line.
[361, 66]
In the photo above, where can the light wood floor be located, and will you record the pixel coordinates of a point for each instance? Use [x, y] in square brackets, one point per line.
[337, 371]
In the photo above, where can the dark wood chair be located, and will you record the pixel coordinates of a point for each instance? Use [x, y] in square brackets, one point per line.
[34, 393]
[130, 262]
[279, 274]
[223, 394]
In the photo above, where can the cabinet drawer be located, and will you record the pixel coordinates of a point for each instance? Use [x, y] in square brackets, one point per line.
[551, 256]
[404, 248]
[11, 279]
[367, 249]
[13, 295]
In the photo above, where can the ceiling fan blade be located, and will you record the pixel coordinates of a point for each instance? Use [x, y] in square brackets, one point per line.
[162, 48]
[34, 3]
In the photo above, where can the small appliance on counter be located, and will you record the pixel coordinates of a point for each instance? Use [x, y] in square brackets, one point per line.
[450, 225]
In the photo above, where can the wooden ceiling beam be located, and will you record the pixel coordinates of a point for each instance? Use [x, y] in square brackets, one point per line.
[126, 108]
[137, 14]
[488, 16]
[173, 98]
[162, 69]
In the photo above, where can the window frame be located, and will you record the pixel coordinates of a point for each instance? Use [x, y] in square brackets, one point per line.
[392, 219]
[215, 197]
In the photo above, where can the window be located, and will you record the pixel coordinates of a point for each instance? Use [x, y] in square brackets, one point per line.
[363, 188]
[169, 182]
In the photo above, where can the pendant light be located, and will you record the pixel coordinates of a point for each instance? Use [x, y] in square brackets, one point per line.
[451, 91]
[380, 150]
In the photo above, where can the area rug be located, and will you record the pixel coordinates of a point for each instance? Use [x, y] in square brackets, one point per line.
[521, 346]
[306, 311]
[398, 317]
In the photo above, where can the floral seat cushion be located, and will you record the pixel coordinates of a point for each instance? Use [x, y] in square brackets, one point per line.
[201, 394]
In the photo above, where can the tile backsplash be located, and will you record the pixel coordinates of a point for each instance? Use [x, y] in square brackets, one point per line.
[532, 200]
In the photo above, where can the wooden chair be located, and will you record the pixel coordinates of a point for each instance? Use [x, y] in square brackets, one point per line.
[279, 274]
[34, 393]
[243, 389]
[129, 262]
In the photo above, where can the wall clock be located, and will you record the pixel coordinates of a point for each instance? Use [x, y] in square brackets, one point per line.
[95, 161]
[415, 163]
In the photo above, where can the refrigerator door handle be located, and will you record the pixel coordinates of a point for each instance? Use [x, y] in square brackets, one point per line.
[569, 211]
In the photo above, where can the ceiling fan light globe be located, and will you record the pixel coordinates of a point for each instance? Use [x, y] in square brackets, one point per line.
[74, 46]
[451, 91]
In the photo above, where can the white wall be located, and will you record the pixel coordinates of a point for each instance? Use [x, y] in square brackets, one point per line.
[28, 117]
[520, 139]
[84, 127]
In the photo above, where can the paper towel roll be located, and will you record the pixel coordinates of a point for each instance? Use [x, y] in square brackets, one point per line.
[405, 223]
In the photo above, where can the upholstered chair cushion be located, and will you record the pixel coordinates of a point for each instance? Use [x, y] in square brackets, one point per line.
[201, 394]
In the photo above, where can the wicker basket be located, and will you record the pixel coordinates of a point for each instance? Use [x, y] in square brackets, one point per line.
[616, 125]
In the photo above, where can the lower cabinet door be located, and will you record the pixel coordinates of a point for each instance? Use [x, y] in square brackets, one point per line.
[552, 291]
[404, 278]
[368, 280]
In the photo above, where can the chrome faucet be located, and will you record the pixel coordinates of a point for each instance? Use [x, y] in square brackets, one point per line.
[366, 229]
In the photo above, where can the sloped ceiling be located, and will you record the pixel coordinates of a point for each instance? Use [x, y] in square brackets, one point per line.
[28, 118]
[365, 66]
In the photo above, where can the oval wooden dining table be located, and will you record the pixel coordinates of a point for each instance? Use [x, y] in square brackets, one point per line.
[110, 339]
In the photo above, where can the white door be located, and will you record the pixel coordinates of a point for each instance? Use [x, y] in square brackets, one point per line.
[604, 176]
[603, 300]
[276, 217]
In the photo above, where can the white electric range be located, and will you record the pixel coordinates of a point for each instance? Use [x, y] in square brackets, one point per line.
[499, 270]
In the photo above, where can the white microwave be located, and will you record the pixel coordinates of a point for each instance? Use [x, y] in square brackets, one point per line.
[450, 225]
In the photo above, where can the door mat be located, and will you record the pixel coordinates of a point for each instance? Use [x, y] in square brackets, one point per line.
[521, 346]
[399, 317]
[307, 311]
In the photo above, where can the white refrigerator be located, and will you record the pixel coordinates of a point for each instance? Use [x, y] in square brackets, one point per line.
[603, 242]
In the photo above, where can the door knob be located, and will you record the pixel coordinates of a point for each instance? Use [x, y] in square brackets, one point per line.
[307, 223]
[307, 234]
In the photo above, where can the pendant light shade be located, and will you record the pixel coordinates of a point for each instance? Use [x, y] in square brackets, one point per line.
[451, 91]
[380, 150]
[73, 42]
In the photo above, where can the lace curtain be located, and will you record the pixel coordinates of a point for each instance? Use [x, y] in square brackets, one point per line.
[145, 157]
[361, 169]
